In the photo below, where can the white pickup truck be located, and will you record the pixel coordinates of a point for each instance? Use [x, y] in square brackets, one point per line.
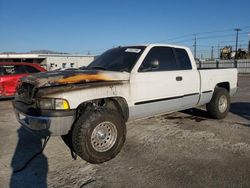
[91, 105]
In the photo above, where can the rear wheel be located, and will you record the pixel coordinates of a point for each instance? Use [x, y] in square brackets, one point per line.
[219, 105]
[98, 135]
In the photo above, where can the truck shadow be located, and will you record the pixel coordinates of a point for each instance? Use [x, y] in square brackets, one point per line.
[35, 173]
[7, 99]
[197, 114]
[241, 109]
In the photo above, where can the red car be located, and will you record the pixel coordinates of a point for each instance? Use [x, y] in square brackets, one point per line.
[11, 72]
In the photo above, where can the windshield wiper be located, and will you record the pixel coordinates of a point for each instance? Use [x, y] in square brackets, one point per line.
[97, 67]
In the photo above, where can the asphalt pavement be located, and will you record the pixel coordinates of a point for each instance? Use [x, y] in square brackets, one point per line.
[182, 149]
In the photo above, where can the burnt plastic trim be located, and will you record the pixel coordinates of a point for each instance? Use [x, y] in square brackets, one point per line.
[6, 97]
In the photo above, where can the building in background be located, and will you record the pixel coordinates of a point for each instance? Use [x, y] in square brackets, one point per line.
[50, 61]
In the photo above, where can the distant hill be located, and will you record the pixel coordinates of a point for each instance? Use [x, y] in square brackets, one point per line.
[8, 53]
[35, 52]
[45, 52]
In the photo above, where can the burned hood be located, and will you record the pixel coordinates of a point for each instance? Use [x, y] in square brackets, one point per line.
[64, 77]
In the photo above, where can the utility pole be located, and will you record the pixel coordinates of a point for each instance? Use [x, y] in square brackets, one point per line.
[218, 51]
[249, 44]
[236, 42]
[195, 46]
[212, 53]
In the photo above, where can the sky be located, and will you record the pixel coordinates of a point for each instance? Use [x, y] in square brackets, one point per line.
[93, 26]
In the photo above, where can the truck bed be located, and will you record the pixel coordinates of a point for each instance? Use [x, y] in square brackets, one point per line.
[209, 79]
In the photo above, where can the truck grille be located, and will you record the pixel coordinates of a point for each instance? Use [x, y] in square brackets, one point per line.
[25, 93]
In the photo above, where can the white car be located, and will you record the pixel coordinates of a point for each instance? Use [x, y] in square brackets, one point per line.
[90, 106]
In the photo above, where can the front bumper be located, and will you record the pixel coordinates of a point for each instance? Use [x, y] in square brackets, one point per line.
[233, 91]
[4, 96]
[49, 122]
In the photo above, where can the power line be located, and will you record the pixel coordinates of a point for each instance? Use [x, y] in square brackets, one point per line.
[181, 41]
[216, 31]
[198, 33]
[174, 38]
[215, 36]
[189, 38]
[209, 37]
[245, 27]
[230, 41]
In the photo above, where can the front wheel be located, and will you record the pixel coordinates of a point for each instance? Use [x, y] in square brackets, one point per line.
[98, 135]
[219, 105]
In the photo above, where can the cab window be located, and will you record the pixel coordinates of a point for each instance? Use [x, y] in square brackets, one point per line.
[159, 59]
[165, 59]
[183, 59]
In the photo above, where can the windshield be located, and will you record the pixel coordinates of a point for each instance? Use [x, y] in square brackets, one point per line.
[118, 59]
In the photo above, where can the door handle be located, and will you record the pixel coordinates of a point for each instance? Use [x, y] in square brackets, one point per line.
[178, 78]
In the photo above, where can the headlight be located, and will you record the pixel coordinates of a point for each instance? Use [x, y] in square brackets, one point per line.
[61, 104]
[53, 104]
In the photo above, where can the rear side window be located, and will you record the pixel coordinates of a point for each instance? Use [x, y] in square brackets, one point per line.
[183, 59]
[17, 69]
[30, 69]
[8, 70]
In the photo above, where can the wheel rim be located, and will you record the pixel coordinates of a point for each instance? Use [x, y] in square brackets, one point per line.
[104, 136]
[222, 103]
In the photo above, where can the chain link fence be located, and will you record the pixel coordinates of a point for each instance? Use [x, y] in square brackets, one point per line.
[243, 65]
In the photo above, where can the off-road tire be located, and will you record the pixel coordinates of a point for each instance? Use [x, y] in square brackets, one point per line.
[85, 126]
[213, 107]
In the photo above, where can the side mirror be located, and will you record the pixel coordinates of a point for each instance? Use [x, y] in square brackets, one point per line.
[149, 65]
[153, 64]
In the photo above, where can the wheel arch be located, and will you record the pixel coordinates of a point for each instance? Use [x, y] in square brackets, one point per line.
[116, 103]
[225, 85]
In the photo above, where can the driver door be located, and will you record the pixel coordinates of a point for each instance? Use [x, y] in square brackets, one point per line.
[156, 89]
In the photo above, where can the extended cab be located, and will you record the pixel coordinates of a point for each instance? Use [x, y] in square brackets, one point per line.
[90, 106]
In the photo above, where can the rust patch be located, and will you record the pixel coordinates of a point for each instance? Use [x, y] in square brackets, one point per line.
[83, 77]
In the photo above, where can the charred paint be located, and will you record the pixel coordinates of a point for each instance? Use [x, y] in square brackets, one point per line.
[72, 87]
[83, 77]
[60, 81]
